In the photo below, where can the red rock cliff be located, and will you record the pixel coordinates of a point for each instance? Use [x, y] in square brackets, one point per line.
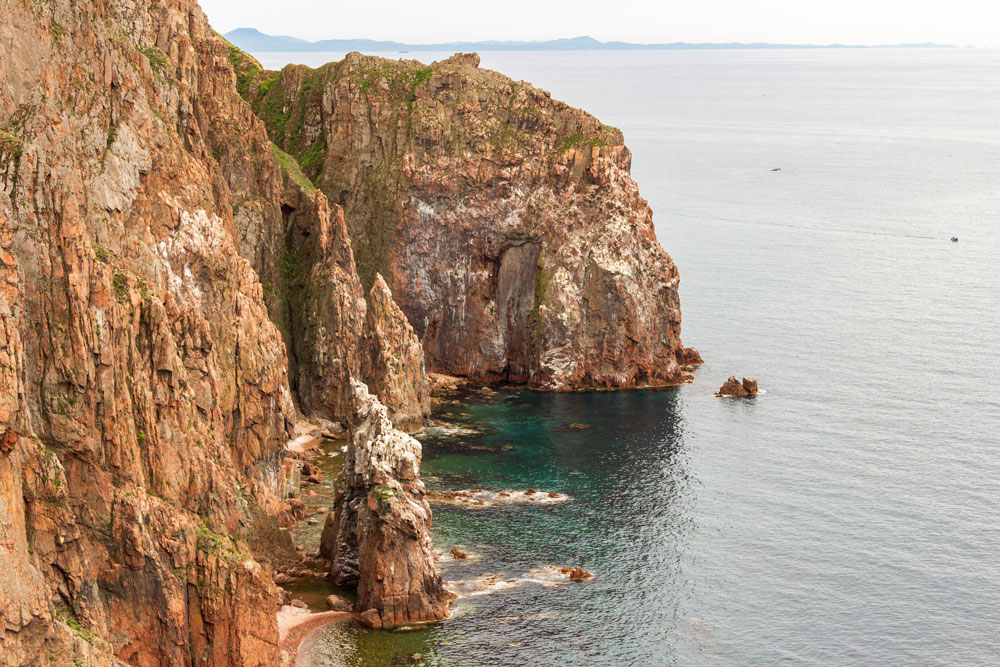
[150, 274]
[505, 222]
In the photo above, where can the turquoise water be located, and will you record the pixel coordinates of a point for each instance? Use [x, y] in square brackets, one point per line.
[849, 516]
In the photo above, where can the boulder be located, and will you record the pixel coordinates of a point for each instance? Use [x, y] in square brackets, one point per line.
[370, 618]
[689, 356]
[337, 603]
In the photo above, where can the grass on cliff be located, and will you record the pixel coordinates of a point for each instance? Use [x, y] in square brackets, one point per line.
[579, 141]
[290, 168]
[245, 66]
[10, 145]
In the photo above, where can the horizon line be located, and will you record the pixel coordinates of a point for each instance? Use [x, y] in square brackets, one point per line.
[307, 45]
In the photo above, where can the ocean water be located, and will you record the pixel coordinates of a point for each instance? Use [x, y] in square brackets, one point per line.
[848, 516]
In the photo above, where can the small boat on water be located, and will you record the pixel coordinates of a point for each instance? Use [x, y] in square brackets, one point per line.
[954, 239]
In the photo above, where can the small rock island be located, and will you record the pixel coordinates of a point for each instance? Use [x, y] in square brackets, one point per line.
[733, 387]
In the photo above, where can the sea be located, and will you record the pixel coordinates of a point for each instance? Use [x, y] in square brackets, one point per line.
[849, 515]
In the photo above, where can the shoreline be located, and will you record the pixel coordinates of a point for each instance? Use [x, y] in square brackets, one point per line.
[295, 624]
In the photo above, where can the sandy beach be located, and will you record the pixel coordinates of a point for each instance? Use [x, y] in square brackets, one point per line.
[295, 623]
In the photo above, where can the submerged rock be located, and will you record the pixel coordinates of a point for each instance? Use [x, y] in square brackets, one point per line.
[576, 426]
[379, 538]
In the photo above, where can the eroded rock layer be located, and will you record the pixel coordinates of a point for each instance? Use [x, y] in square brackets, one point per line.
[145, 404]
[150, 260]
[378, 536]
[505, 222]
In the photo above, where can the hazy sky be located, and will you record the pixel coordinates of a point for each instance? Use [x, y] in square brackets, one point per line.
[962, 22]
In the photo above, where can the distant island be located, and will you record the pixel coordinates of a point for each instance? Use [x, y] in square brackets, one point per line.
[253, 40]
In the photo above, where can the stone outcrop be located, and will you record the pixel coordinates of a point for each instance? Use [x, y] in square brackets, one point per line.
[393, 361]
[733, 387]
[174, 290]
[150, 246]
[378, 536]
[505, 222]
[331, 333]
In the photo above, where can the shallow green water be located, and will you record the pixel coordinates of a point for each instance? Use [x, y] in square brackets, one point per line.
[623, 471]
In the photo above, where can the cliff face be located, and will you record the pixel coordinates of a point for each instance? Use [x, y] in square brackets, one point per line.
[151, 271]
[174, 291]
[506, 223]
[145, 398]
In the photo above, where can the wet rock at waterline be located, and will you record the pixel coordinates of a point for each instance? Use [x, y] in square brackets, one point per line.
[733, 387]
[487, 498]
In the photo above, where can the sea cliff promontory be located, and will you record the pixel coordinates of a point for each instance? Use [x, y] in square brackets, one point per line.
[505, 222]
[188, 272]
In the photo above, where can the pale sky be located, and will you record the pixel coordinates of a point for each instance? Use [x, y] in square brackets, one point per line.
[961, 22]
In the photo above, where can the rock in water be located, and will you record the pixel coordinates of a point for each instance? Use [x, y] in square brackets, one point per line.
[733, 387]
[382, 540]
[689, 356]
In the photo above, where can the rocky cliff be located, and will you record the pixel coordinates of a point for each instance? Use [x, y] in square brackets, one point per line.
[155, 269]
[505, 222]
[175, 292]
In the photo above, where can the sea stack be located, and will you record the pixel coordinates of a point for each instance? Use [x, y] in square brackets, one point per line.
[380, 531]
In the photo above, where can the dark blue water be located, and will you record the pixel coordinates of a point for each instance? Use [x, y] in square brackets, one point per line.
[849, 516]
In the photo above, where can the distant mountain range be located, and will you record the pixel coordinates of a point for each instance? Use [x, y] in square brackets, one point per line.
[253, 40]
